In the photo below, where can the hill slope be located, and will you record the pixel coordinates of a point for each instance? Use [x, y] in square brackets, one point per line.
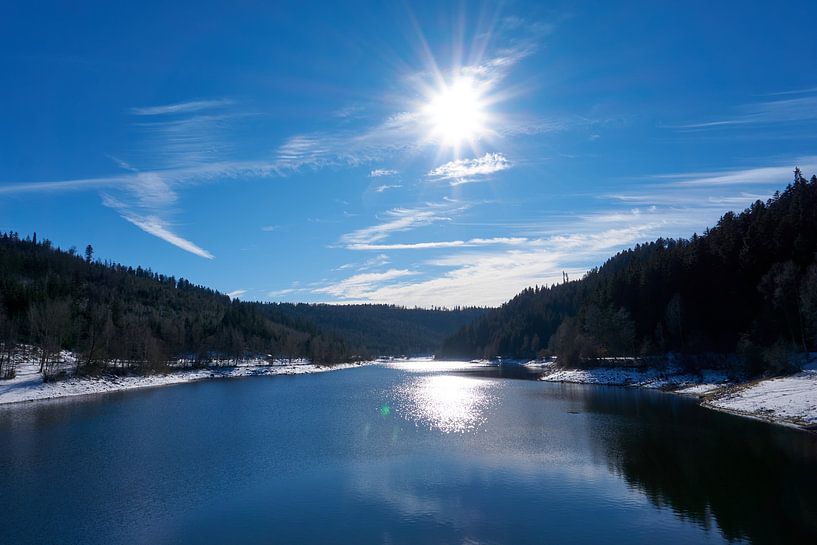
[383, 329]
[749, 285]
[57, 300]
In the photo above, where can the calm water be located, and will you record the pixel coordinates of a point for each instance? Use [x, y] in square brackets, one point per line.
[400, 455]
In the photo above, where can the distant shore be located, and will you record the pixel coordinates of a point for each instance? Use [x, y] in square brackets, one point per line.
[28, 384]
[789, 400]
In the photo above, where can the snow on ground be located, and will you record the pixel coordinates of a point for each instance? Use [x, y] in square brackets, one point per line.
[791, 399]
[28, 384]
[669, 378]
[787, 400]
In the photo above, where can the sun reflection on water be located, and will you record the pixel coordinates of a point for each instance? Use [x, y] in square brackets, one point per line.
[448, 403]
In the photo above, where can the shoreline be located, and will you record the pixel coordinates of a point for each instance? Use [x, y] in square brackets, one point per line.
[28, 385]
[789, 401]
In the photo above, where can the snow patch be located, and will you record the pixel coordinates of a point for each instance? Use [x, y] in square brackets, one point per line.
[28, 384]
[791, 399]
[785, 400]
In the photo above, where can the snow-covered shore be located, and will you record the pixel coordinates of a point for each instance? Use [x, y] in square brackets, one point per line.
[787, 400]
[790, 400]
[28, 383]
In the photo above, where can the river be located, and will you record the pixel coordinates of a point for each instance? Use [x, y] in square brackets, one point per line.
[433, 453]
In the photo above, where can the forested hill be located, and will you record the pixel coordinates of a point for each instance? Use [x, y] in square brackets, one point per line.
[59, 300]
[747, 285]
[383, 329]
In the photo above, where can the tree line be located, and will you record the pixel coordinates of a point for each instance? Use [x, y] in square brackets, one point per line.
[747, 286]
[384, 329]
[134, 318]
[119, 318]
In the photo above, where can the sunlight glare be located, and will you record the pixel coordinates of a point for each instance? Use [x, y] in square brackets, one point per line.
[449, 403]
[456, 113]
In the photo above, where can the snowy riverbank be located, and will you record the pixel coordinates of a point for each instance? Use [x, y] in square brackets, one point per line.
[28, 384]
[790, 400]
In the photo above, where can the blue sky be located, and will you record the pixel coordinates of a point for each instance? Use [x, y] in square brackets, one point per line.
[423, 153]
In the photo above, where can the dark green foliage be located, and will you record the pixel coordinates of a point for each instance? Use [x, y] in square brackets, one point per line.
[382, 329]
[748, 285]
[58, 300]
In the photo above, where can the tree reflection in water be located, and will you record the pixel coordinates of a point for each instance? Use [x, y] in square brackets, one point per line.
[757, 481]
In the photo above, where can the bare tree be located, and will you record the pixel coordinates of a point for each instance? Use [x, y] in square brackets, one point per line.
[50, 322]
[98, 333]
[7, 345]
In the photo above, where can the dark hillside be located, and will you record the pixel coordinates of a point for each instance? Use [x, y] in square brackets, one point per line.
[59, 300]
[747, 285]
[383, 329]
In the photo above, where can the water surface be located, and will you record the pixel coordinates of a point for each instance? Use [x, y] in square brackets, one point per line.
[408, 453]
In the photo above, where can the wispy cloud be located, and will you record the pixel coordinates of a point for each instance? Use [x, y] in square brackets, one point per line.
[156, 226]
[184, 144]
[470, 243]
[277, 294]
[789, 110]
[181, 152]
[359, 285]
[492, 277]
[348, 112]
[398, 220]
[766, 175]
[399, 133]
[379, 172]
[463, 171]
[371, 263]
[189, 175]
[803, 91]
[236, 293]
[489, 271]
[181, 107]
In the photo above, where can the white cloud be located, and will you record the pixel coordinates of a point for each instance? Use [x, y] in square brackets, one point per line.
[490, 278]
[357, 286]
[236, 293]
[158, 227]
[481, 279]
[462, 171]
[285, 291]
[379, 172]
[181, 107]
[769, 175]
[151, 190]
[492, 270]
[154, 225]
[382, 188]
[371, 263]
[470, 243]
[399, 219]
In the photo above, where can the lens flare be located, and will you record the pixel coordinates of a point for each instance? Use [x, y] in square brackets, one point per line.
[456, 113]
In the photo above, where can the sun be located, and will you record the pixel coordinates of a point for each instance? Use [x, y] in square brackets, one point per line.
[456, 113]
